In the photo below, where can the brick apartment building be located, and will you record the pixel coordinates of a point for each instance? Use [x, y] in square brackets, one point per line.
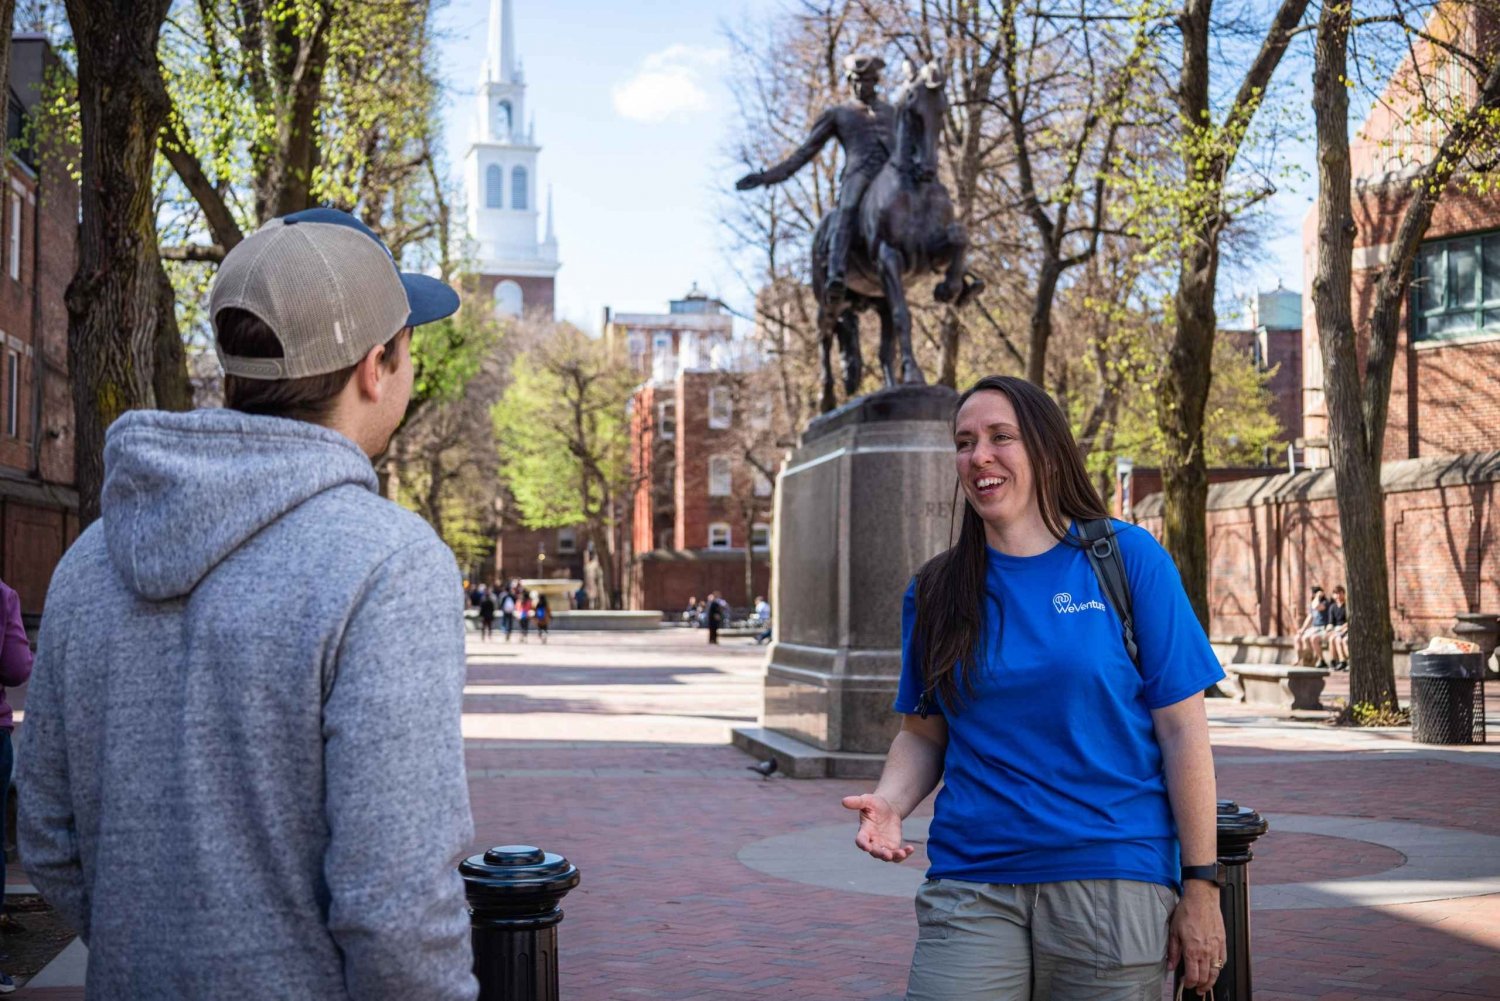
[38, 255]
[1444, 398]
[1269, 539]
[701, 512]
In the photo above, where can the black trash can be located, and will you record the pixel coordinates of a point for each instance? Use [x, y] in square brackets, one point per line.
[1447, 698]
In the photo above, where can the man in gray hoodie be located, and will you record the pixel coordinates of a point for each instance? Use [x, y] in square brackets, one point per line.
[241, 766]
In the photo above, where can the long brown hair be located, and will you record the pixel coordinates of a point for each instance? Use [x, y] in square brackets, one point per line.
[950, 586]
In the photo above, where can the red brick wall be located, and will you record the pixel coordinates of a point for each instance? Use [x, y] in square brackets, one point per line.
[536, 293]
[1282, 350]
[665, 582]
[34, 540]
[517, 548]
[1441, 546]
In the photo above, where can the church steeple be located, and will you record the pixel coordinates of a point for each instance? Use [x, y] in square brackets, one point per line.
[500, 180]
[501, 65]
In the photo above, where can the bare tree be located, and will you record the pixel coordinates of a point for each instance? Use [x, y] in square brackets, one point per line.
[1209, 149]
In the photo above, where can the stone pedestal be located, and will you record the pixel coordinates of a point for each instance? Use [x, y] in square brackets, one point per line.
[865, 499]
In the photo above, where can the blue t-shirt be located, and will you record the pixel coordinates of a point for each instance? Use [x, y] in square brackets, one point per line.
[1052, 770]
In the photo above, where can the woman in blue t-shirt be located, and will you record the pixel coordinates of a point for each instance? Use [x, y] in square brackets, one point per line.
[1078, 791]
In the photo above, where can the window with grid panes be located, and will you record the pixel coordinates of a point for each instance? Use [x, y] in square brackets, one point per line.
[1456, 289]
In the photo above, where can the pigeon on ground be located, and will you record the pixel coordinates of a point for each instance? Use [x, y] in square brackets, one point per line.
[766, 768]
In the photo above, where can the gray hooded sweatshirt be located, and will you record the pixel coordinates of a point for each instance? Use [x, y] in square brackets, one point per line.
[241, 772]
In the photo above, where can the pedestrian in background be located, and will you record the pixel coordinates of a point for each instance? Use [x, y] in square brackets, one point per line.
[224, 647]
[15, 669]
[1020, 695]
[713, 617]
[508, 611]
[763, 619]
[524, 609]
[486, 613]
[543, 617]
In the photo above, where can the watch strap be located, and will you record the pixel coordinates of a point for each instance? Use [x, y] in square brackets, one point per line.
[1211, 873]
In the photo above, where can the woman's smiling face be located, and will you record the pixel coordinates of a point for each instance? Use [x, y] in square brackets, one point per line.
[993, 466]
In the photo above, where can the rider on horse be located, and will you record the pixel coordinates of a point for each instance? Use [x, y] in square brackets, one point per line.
[866, 131]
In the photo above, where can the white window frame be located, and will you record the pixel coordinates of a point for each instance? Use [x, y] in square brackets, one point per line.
[763, 487]
[666, 420]
[567, 541]
[755, 530]
[758, 414]
[720, 536]
[12, 393]
[720, 408]
[721, 483]
[15, 236]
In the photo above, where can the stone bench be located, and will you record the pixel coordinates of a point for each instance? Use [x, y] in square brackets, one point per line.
[1279, 686]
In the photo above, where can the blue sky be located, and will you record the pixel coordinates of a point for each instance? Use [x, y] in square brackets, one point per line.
[630, 110]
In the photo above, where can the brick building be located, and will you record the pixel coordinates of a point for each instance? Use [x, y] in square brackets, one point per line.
[38, 255]
[1445, 394]
[701, 515]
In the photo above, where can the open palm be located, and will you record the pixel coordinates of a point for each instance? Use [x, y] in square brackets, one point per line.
[879, 828]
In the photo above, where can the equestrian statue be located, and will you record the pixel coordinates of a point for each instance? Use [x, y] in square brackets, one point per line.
[893, 219]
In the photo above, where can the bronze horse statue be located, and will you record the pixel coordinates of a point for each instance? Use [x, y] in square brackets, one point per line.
[905, 228]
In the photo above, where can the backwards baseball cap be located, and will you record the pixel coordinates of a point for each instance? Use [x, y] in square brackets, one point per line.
[328, 288]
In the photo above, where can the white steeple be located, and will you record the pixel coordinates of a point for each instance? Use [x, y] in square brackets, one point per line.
[500, 67]
[500, 175]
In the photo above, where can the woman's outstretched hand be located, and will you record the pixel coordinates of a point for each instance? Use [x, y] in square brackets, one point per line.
[879, 828]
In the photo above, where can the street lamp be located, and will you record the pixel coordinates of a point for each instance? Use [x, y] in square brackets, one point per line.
[540, 559]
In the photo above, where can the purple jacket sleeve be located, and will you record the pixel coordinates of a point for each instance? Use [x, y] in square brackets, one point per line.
[15, 651]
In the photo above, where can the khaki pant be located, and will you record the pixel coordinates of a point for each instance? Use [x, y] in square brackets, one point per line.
[1079, 940]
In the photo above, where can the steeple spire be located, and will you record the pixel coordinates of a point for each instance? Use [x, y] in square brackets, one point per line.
[502, 39]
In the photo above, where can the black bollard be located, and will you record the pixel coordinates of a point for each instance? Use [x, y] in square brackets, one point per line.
[514, 892]
[1239, 826]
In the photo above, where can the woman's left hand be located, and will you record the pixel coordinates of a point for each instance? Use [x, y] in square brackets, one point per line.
[1197, 936]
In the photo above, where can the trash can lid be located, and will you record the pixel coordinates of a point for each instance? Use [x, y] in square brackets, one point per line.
[1457, 666]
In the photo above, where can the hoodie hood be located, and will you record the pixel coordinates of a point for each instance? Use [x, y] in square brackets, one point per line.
[182, 491]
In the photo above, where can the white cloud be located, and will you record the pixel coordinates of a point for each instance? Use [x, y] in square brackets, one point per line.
[672, 83]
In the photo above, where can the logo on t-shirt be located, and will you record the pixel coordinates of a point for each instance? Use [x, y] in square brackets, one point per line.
[1064, 603]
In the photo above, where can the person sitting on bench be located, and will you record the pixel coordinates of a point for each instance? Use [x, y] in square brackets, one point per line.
[1310, 632]
[1338, 631]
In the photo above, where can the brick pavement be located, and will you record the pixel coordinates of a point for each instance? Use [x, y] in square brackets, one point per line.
[612, 749]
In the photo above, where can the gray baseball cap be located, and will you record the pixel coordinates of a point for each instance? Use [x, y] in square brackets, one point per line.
[329, 289]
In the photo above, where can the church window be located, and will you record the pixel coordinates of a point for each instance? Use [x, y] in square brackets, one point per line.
[503, 119]
[508, 299]
[518, 188]
[494, 187]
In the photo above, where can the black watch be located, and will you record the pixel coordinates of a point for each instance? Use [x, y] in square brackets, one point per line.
[1214, 874]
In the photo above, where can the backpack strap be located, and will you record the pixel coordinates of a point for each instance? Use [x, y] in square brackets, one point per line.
[1104, 555]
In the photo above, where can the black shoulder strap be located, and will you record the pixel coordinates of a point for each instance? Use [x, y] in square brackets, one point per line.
[1109, 567]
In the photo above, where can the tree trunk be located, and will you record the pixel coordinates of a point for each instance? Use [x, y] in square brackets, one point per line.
[1041, 320]
[1356, 457]
[170, 380]
[114, 298]
[948, 338]
[1181, 400]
